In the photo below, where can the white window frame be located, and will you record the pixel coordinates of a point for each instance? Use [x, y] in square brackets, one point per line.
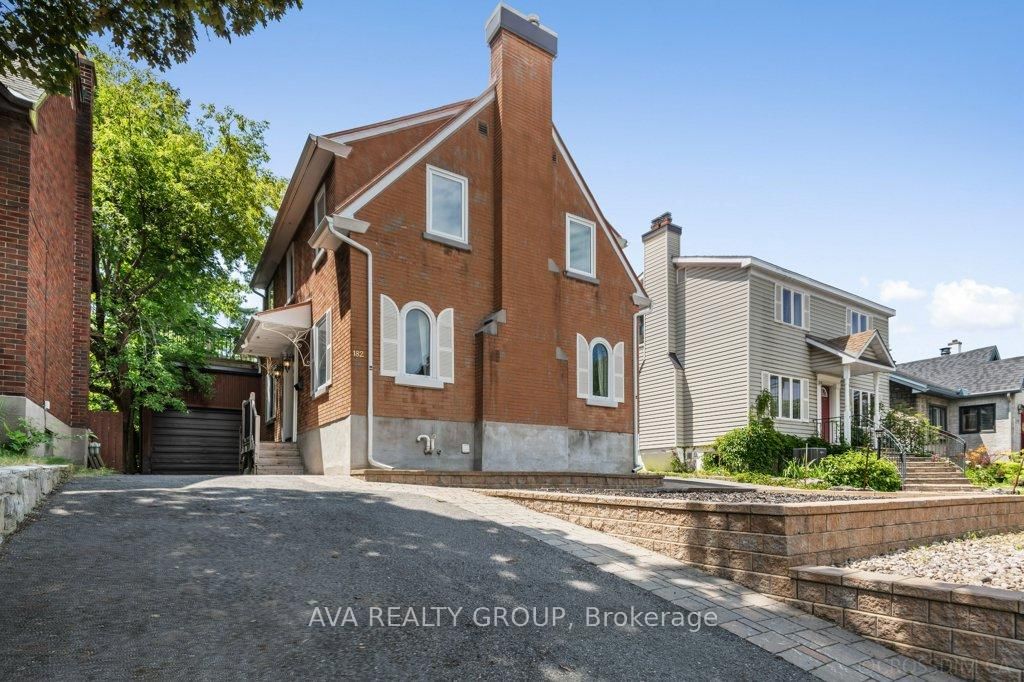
[289, 273]
[464, 182]
[599, 400]
[314, 362]
[269, 397]
[851, 312]
[859, 397]
[319, 213]
[800, 399]
[570, 218]
[780, 305]
[434, 380]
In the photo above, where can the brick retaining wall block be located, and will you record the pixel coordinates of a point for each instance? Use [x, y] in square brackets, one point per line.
[508, 479]
[973, 632]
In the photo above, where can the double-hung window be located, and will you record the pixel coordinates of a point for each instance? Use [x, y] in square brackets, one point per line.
[937, 416]
[289, 274]
[319, 213]
[863, 404]
[321, 365]
[978, 418]
[792, 306]
[447, 205]
[789, 396]
[859, 322]
[580, 246]
[417, 347]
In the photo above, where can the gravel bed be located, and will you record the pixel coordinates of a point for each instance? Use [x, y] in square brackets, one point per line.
[741, 497]
[994, 561]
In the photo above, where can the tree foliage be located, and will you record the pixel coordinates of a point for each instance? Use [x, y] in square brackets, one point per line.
[182, 204]
[39, 39]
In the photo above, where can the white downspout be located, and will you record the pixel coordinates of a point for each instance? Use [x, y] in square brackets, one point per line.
[638, 462]
[369, 343]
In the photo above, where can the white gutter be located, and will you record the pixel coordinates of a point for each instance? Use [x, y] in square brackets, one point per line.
[369, 342]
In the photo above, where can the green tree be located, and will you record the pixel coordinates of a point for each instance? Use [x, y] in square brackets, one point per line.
[39, 39]
[182, 205]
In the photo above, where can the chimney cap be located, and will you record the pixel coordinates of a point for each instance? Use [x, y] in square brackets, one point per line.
[527, 27]
[662, 222]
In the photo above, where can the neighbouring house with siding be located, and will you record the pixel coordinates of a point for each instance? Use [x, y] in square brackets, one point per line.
[724, 328]
[977, 395]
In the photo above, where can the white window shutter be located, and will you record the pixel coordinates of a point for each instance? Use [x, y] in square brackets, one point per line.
[446, 346]
[778, 303]
[765, 381]
[849, 321]
[805, 399]
[582, 367]
[619, 355]
[388, 337]
[870, 325]
[807, 310]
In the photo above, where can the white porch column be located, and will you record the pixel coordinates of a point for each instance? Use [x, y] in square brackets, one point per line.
[847, 399]
[878, 402]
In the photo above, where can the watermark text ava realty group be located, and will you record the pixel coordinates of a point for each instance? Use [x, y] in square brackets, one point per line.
[501, 616]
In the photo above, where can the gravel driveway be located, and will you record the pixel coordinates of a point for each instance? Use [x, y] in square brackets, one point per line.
[211, 578]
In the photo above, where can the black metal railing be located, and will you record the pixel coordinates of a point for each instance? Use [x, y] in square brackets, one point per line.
[888, 445]
[831, 430]
[248, 436]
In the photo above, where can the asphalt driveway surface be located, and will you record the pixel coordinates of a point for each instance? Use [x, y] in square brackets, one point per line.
[223, 578]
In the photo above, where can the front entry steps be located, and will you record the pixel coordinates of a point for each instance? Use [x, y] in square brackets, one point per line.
[941, 476]
[276, 459]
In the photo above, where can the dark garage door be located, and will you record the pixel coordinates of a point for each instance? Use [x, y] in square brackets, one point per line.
[202, 441]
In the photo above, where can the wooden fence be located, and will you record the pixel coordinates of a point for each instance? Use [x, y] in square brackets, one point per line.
[108, 430]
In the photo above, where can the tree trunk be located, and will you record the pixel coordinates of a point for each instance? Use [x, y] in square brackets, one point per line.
[131, 464]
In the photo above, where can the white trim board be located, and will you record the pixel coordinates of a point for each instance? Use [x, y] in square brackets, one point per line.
[361, 200]
[395, 124]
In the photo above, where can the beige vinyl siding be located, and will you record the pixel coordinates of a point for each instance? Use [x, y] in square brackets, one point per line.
[782, 349]
[658, 375]
[828, 319]
[713, 392]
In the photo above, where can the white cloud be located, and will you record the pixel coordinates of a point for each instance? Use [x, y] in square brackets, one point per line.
[968, 304]
[864, 282]
[899, 290]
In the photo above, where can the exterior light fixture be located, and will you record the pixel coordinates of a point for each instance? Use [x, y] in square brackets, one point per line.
[277, 371]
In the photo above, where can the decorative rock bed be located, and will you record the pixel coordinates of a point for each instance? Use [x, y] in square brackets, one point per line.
[21, 488]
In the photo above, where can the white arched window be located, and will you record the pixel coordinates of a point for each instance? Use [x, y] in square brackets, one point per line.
[600, 371]
[416, 347]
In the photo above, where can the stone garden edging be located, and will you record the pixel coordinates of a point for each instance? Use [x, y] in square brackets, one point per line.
[21, 489]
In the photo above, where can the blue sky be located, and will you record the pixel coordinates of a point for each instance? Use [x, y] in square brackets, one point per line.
[877, 146]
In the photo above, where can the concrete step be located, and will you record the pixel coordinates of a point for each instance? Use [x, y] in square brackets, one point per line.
[279, 447]
[930, 476]
[272, 460]
[940, 488]
[939, 481]
[280, 470]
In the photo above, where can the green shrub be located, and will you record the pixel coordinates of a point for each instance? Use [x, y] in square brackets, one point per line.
[755, 447]
[21, 441]
[912, 429]
[853, 467]
[986, 477]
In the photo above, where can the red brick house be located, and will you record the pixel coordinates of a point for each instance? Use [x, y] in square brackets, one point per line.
[501, 307]
[46, 256]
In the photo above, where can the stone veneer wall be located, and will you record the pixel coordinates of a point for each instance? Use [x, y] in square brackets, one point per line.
[973, 632]
[757, 544]
[509, 479]
[21, 488]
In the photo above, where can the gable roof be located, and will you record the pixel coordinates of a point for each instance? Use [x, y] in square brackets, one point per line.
[865, 346]
[20, 91]
[458, 114]
[976, 372]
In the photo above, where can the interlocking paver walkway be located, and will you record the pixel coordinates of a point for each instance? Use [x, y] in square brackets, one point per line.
[813, 644]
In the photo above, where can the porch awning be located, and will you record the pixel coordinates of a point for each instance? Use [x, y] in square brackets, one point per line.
[272, 333]
[863, 353]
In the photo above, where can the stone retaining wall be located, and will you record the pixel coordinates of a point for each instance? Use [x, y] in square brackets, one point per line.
[975, 633]
[757, 544]
[508, 479]
[21, 488]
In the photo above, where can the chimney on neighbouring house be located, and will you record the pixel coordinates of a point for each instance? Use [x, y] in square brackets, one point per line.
[956, 345]
[944, 350]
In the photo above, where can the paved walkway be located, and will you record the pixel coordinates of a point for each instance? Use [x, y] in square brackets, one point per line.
[213, 578]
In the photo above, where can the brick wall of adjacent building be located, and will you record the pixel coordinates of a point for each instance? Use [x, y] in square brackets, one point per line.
[46, 253]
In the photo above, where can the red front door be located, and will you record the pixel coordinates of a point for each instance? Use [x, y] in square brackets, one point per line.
[826, 414]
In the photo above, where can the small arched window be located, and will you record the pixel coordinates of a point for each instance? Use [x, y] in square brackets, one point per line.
[417, 348]
[599, 369]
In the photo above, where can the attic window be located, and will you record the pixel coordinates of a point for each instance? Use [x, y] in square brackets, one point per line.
[481, 127]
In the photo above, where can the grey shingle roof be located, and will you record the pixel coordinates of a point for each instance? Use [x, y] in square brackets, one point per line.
[21, 87]
[973, 372]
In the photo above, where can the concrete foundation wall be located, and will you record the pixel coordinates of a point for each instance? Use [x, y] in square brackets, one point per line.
[528, 447]
[70, 443]
[340, 447]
